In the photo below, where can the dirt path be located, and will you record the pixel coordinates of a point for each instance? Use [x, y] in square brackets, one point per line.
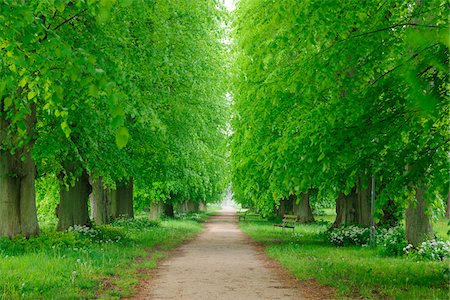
[221, 263]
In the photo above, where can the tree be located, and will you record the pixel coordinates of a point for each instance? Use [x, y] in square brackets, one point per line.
[326, 95]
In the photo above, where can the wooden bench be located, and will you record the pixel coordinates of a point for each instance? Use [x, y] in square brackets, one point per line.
[288, 222]
[242, 213]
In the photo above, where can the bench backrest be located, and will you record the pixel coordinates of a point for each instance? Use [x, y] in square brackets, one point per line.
[290, 218]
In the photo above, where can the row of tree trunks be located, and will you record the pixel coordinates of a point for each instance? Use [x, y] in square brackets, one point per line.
[188, 207]
[17, 185]
[106, 205]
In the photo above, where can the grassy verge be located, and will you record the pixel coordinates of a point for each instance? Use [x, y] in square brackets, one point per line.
[105, 263]
[353, 271]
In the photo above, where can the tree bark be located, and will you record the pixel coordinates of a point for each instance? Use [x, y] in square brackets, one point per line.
[302, 208]
[100, 198]
[168, 210]
[447, 211]
[285, 206]
[18, 213]
[156, 210]
[354, 208]
[391, 214]
[202, 206]
[345, 211]
[73, 207]
[419, 225]
[124, 199]
[362, 205]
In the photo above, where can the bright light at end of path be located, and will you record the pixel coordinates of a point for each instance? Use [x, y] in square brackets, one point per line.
[229, 4]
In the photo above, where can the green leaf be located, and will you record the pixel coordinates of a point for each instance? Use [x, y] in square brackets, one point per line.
[122, 137]
[66, 129]
[31, 95]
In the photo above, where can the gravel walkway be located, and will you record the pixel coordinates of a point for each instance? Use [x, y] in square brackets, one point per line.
[221, 263]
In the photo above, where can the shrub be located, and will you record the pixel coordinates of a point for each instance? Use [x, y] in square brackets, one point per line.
[139, 223]
[349, 235]
[434, 249]
[391, 241]
[199, 217]
[99, 234]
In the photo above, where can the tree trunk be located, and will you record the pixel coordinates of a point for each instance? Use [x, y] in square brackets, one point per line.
[303, 208]
[183, 207]
[447, 211]
[362, 206]
[73, 206]
[124, 199]
[202, 206]
[100, 199]
[113, 199]
[156, 210]
[419, 226]
[391, 214]
[345, 211]
[17, 186]
[354, 208]
[285, 206]
[168, 210]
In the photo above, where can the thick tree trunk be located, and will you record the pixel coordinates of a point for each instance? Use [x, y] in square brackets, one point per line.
[419, 226]
[17, 186]
[391, 214]
[168, 210]
[202, 206]
[113, 199]
[345, 211]
[183, 207]
[284, 207]
[124, 199]
[362, 205]
[156, 210]
[73, 207]
[303, 208]
[100, 198]
[353, 208]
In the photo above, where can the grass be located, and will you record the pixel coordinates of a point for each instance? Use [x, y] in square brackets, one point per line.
[353, 271]
[214, 207]
[71, 265]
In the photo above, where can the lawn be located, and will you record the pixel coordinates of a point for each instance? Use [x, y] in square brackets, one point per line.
[353, 271]
[107, 263]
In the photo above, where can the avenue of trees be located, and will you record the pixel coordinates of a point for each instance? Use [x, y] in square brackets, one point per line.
[325, 96]
[103, 100]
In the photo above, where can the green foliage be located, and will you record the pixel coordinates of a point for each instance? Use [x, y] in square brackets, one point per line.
[118, 90]
[325, 94]
[392, 241]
